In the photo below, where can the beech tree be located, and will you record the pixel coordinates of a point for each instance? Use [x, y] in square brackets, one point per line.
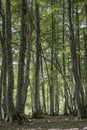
[43, 54]
[4, 63]
[79, 93]
[21, 61]
[37, 63]
[10, 103]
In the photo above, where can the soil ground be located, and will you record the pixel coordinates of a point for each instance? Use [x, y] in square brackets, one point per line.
[48, 123]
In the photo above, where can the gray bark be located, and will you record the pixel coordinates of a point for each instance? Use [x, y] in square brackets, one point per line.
[78, 43]
[4, 65]
[43, 89]
[64, 68]
[37, 64]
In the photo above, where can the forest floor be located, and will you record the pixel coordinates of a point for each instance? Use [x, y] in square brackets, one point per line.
[48, 123]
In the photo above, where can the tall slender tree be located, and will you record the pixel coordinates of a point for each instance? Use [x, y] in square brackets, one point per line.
[10, 105]
[52, 60]
[37, 63]
[21, 61]
[4, 63]
[4, 78]
[79, 94]
[64, 67]
[78, 43]
[43, 88]
[85, 47]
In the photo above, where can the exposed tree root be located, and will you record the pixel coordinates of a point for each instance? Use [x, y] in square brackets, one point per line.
[19, 118]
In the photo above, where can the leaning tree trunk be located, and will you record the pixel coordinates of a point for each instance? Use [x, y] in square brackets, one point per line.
[21, 62]
[79, 94]
[11, 109]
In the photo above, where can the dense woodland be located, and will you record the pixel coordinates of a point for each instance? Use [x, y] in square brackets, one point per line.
[43, 58]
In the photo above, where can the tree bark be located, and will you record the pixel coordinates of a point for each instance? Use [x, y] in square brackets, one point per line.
[21, 61]
[4, 64]
[64, 68]
[11, 109]
[79, 94]
[52, 66]
[37, 64]
[78, 43]
[43, 89]
[85, 59]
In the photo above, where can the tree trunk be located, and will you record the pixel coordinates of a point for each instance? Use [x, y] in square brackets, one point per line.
[4, 64]
[0, 94]
[64, 71]
[85, 59]
[37, 64]
[21, 61]
[56, 98]
[11, 109]
[27, 80]
[79, 94]
[43, 89]
[78, 43]
[52, 59]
